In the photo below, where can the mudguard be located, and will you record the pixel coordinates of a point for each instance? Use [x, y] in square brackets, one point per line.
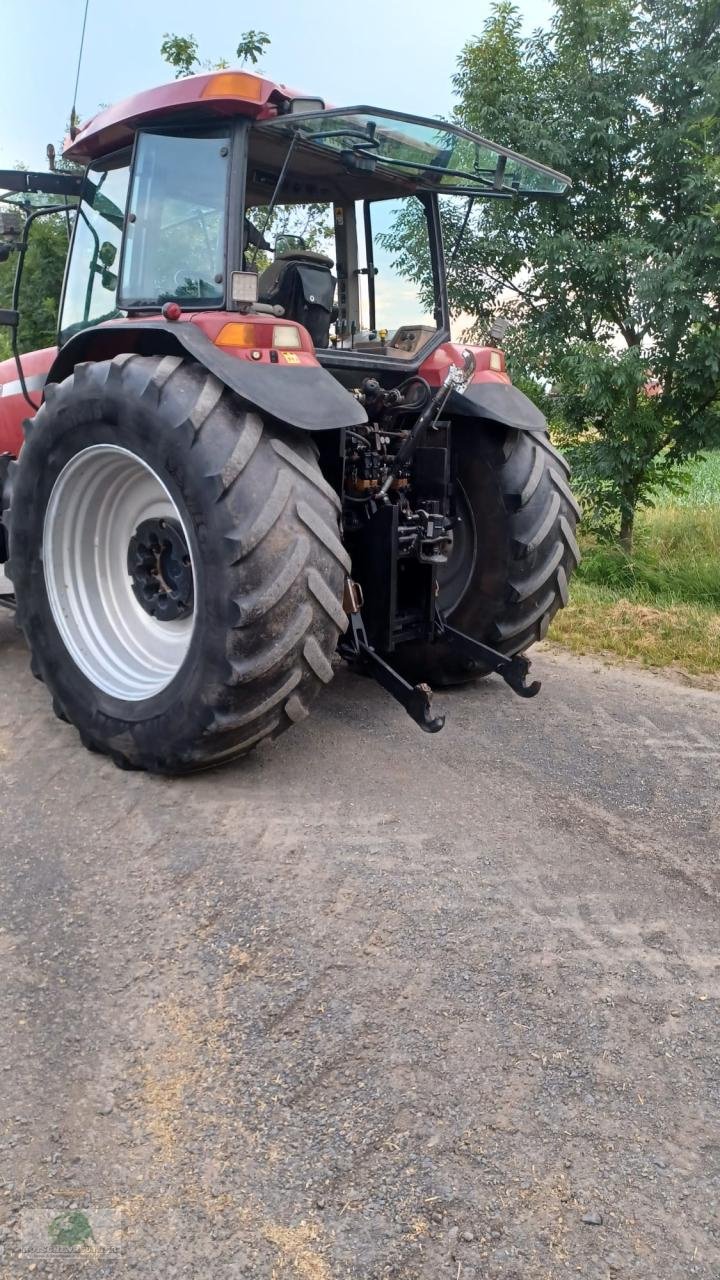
[306, 397]
[501, 402]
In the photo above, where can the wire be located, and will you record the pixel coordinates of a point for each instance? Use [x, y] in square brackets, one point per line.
[20, 370]
[73, 115]
[410, 405]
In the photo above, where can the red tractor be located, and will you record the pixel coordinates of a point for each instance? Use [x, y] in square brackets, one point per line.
[244, 458]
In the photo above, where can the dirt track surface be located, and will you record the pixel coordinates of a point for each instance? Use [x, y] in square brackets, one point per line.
[371, 1004]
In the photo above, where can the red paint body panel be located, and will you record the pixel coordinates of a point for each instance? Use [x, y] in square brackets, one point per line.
[114, 127]
[14, 408]
[434, 369]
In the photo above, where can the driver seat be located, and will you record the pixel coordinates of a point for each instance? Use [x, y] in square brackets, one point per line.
[302, 283]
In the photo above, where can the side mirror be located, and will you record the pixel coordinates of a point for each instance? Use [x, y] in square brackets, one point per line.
[9, 319]
[11, 229]
[289, 244]
[107, 253]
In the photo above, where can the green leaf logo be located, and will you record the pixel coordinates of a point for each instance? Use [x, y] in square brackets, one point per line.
[70, 1229]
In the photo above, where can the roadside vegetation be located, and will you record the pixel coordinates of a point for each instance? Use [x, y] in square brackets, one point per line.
[660, 604]
[613, 298]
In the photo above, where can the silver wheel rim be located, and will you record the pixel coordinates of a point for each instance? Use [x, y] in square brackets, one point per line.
[98, 501]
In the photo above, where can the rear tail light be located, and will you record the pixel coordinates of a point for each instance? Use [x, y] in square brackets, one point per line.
[244, 333]
[236, 335]
[234, 84]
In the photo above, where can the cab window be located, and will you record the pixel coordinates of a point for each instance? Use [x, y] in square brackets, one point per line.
[175, 242]
[397, 312]
[91, 280]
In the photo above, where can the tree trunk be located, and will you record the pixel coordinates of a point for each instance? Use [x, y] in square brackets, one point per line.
[627, 525]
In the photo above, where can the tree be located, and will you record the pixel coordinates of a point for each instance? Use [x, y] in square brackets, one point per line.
[614, 292]
[41, 285]
[182, 52]
[252, 46]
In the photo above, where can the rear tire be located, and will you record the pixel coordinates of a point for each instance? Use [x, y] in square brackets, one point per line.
[260, 524]
[518, 550]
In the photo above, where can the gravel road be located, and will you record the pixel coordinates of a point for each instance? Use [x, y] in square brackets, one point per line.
[371, 1004]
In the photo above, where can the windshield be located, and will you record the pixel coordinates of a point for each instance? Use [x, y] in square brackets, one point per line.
[432, 155]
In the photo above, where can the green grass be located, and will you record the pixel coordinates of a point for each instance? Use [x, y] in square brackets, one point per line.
[606, 621]
[704, 488]
[660, 606]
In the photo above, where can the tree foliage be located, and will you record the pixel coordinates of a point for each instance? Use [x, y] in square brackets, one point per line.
[182, 52]
[41, 285]
[614, 292]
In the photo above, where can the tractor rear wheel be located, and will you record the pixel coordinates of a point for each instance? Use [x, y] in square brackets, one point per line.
[513, 554]
[177, 564]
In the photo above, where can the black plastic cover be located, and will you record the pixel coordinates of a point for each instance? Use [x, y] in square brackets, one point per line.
[305, 290]
[51, 183]
[5, 460]
[499, 402]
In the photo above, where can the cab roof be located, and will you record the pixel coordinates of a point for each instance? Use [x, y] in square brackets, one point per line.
[376, 145]
[195, 99]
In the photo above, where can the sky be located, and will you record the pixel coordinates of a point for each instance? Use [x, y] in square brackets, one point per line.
[370, 51]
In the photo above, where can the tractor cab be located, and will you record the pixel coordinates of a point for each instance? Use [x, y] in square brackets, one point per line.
[345, 219]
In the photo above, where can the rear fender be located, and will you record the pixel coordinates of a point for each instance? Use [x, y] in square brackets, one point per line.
[305, 397]
[498, 402]
[491, 395]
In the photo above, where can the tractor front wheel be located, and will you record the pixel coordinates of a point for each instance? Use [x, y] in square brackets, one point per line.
[176, 562]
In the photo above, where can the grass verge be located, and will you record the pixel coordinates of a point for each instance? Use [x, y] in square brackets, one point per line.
[660, 606]
[604, 620]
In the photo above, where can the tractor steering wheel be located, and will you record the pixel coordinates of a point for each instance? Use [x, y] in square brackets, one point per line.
[184, 279]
